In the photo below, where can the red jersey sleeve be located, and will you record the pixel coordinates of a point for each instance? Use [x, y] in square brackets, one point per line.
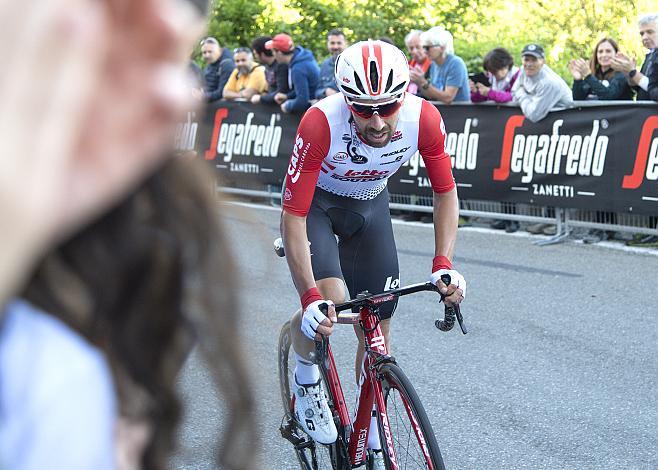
[310, 147]
[431, 145]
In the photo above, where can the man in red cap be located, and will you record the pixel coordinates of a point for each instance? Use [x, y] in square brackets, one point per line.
[304, 73]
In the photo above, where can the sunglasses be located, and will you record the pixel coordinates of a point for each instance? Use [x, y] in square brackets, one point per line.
[242, 49]
[383, 110]
[427, 48]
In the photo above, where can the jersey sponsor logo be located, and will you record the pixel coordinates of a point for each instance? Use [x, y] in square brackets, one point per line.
[287, 195]
[353, 144]
[555, 153]
[400, 155]
[646, 157]
[340, 157]
[244, 139]
[297, 159]
[397, 135]
[395, 152]
[362, 176]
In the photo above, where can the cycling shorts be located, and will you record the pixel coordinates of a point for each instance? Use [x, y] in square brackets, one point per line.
[353, 240]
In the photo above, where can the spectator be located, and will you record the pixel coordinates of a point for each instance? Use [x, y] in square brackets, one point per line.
[448, 81]
[501, 73]
[597, 80]
[247, 80]
[653, 80]
[276, 74]
[101, 126]
[336, 44]
[219, 66]
[639, 80]
[303, 71]
[538, 88]
[419, 65]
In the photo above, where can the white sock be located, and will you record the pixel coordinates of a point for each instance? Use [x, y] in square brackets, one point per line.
[305, 371]
[373, 434]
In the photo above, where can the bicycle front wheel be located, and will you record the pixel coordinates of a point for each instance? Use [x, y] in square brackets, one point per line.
[310, 454]
[413, 439]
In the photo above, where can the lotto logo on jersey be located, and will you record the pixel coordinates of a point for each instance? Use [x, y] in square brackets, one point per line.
[360, 176]
[397, 135]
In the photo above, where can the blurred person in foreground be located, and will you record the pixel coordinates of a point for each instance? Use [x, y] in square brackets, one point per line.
[104, 278]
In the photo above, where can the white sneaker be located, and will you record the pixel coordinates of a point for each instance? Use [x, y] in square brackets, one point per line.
[377, 461]
[313, 413]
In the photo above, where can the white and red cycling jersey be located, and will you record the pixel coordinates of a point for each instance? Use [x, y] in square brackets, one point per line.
[329, 153]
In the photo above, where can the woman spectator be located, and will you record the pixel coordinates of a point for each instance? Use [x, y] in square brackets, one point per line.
[597, 80]
[501, 72]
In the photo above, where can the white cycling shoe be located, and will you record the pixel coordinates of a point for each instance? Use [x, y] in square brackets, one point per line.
[377, 461]
[313, 413]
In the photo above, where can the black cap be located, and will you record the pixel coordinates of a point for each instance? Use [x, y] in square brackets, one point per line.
[534, 50]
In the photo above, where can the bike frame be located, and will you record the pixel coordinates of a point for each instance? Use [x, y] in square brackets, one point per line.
[370, 390]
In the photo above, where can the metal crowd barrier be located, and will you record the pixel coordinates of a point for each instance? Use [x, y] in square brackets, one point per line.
[564, 219]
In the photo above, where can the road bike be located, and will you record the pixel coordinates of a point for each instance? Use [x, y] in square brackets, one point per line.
[406, 435]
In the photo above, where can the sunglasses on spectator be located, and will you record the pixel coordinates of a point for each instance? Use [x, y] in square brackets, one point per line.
[241, 49]
[427, 48]
[382, 109]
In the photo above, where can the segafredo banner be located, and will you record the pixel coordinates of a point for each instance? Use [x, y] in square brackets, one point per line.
[596, 157]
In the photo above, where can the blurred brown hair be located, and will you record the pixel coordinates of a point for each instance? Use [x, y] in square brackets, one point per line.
[143, 283]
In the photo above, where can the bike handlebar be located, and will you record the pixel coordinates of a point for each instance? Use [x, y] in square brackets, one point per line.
[365, 299]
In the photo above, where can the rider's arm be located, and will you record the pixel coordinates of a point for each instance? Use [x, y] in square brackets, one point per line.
[309, 149]
[446, 215]
[431, 145]
[298, 254]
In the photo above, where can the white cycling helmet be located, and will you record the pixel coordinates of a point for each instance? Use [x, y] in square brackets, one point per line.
[372, 70]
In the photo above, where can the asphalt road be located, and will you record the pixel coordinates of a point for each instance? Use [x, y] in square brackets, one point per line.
[559, 369]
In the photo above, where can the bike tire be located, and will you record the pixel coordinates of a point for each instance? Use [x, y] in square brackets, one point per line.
[313, 456]
[403, 409]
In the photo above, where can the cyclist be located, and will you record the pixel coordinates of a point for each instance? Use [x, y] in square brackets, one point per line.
[336, 224]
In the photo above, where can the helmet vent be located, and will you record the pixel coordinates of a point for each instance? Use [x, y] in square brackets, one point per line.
[349, 90]
[397, 88]
[358, 84]
[389, 82]
[374, 77]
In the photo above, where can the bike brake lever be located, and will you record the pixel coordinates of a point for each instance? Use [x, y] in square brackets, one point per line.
[460, 320]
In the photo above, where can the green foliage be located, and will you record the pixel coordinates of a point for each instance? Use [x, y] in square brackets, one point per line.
[566, 28]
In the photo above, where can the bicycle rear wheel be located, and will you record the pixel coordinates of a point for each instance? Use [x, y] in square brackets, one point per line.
[310, 454]
[413, 438]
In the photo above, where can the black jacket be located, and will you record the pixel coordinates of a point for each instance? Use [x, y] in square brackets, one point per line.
[216, 75]
[277, 79]
[652, 73]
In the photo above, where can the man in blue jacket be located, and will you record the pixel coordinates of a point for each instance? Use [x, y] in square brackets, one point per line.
[303, 73]
[336, 44]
